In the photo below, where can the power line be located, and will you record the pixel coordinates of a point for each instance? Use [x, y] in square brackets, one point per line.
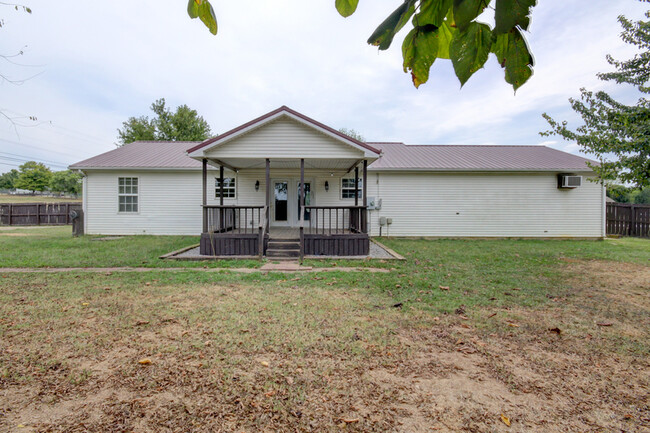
[31, 158]
[87, 136]
[38, 148]
[8, 158]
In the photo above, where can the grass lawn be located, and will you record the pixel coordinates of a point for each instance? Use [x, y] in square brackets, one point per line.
[9, 198]
[550, 336]
[55, 247]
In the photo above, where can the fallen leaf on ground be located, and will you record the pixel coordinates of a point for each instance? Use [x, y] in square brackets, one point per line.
[514, 325]
[443, 287]
[144, 361]
[556, 330]
[398, 305]
[505, 420]
[264, 363]
[141, 322]
[492, 315]
[604, 324]
[350, 420]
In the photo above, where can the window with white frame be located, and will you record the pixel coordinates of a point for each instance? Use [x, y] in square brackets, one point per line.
[127, 194]
[347, 188]
[228, 188]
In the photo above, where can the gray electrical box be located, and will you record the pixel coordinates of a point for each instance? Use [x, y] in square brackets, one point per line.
[374, 203]
[382, 221]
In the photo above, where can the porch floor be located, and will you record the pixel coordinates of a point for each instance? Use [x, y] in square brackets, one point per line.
[294, 232]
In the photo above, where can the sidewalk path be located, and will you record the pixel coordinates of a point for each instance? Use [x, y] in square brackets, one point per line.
[263, 270]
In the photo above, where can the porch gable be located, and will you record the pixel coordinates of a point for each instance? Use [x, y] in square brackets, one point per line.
[284, 134]
[284, 138]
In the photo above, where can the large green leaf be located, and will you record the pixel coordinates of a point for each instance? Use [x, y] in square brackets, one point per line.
[445, 35]
[207, 15]
[346, 7]
[432, 12]
[202, 9]
[193, 9]
[384, 34]
[512, 52]
[465, 11]
[469, 50]
[512, 13]
[422, 46]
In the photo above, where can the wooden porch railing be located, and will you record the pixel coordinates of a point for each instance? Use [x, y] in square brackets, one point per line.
[234, 219]
[263, 230]
[329, 220]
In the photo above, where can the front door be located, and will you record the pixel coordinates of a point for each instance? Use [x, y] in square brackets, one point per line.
[280, 211]
[283, 212]
[307, 200]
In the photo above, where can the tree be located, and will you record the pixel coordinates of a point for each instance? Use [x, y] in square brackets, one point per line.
[620, 193]
[352, 133]
[616, 133]
[8, 179]
[442, 29]
[66, 181]
[34, 176]
[182, 125]
[641, 196]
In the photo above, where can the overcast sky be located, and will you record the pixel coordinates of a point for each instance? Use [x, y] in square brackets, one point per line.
[102, 61]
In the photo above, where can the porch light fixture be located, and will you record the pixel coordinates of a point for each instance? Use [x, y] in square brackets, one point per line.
[327, 186]
[257, 185]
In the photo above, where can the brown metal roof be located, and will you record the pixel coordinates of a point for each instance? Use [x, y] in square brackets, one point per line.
[143, 154]
[399, 156]
[396, 156]
[273, 113]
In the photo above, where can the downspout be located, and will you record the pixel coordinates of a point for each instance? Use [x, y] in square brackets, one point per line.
[603, 213]
[84, 199]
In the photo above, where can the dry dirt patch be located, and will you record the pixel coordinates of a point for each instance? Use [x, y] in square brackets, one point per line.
[239, 358]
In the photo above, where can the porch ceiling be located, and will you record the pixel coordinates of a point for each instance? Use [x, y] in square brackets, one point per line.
[310, 163]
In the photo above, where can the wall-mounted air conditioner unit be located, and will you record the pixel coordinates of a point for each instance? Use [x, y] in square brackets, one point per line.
[568, 181]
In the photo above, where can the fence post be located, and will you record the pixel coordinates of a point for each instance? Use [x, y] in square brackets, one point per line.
[632, 221]
[38, 214]
[11, 206]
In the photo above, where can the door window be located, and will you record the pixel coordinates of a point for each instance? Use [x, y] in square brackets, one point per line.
[281, 194]
[307, 200]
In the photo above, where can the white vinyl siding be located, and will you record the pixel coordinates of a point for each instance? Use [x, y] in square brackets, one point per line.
[285, 138]
[484, 205]
[420, 204]
[169, 203]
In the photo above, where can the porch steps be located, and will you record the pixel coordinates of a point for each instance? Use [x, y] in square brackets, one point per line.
[283, 249]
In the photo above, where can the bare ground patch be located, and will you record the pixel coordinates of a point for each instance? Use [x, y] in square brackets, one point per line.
[238, 358]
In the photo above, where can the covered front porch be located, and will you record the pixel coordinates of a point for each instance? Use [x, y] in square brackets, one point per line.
[287, 187]
[297, 216]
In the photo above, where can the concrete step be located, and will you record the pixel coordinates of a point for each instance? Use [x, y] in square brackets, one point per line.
[291, 260]
[282, 252]
[284, 245]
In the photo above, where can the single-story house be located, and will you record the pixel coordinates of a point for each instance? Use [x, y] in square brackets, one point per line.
[242, 190]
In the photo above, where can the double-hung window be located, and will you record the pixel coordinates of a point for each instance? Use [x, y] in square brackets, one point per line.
[347, 188]
[229, 190]
[127, 194]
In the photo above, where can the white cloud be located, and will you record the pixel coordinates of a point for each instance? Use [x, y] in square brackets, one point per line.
[106, 61]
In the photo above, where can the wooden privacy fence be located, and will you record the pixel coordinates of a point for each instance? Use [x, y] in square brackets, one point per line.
[35, 214]
[625, 219]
